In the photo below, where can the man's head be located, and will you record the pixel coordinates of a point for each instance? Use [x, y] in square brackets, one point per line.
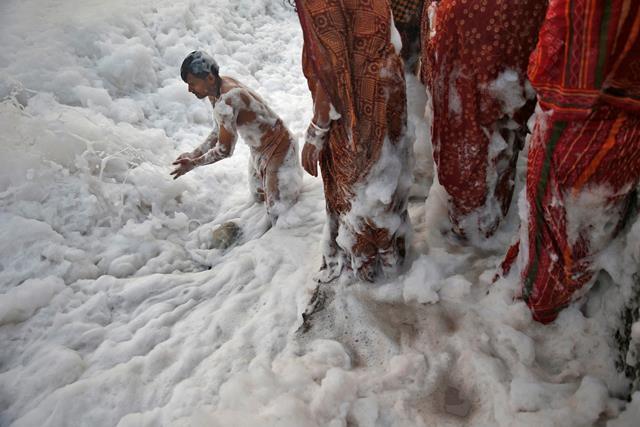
[200, 72]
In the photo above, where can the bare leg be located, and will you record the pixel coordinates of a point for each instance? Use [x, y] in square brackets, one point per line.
[255, 182]
[272, 195]
[282, 179]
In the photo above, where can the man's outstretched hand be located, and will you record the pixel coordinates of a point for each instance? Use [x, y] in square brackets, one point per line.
[184, 164]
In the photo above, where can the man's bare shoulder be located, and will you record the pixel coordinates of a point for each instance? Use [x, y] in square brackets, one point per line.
[234, 99]
[232, 88]
[237, 89]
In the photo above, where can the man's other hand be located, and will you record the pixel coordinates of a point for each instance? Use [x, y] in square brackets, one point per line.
[184, 164]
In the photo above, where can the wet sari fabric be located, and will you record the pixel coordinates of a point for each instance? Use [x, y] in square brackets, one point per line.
[347, 51]
[476, 134]
[584, 159]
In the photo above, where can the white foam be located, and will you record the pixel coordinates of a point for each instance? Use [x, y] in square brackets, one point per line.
[115, 311]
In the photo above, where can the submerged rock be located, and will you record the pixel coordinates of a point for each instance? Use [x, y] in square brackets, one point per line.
[226, 235]
[455, 404]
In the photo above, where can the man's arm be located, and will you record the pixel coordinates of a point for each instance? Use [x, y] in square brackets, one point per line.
[221, 145]
[207, 145]
[218, 145]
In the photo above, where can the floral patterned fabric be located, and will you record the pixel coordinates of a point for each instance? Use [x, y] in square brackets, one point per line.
[476, 133]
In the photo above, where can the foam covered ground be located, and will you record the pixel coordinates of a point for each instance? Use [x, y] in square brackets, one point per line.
[115, 312]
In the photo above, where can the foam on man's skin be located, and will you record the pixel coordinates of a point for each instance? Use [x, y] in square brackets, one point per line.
[227, 107]
[225, 112]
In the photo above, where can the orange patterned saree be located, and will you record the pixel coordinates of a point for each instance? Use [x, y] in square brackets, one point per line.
[348, 52]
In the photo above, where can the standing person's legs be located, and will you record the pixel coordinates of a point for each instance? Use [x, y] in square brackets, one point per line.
[580, 180]
[480, 104]
[475, 162]
[337, 194]
[377, 250]
[333, 257]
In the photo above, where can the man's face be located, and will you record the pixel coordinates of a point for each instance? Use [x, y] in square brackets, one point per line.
[201, 87]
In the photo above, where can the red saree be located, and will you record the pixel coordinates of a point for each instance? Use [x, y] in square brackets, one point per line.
[347, 50]
[584, 160]
[478, 129]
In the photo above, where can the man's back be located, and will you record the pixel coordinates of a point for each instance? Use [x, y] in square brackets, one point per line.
[240, 108]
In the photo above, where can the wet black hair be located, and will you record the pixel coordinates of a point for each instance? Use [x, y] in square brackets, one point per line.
[199, 64]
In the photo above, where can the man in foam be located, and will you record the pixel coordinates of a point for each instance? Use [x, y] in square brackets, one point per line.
[275, 175]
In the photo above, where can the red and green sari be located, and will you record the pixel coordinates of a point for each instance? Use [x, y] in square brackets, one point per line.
[584, 159]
